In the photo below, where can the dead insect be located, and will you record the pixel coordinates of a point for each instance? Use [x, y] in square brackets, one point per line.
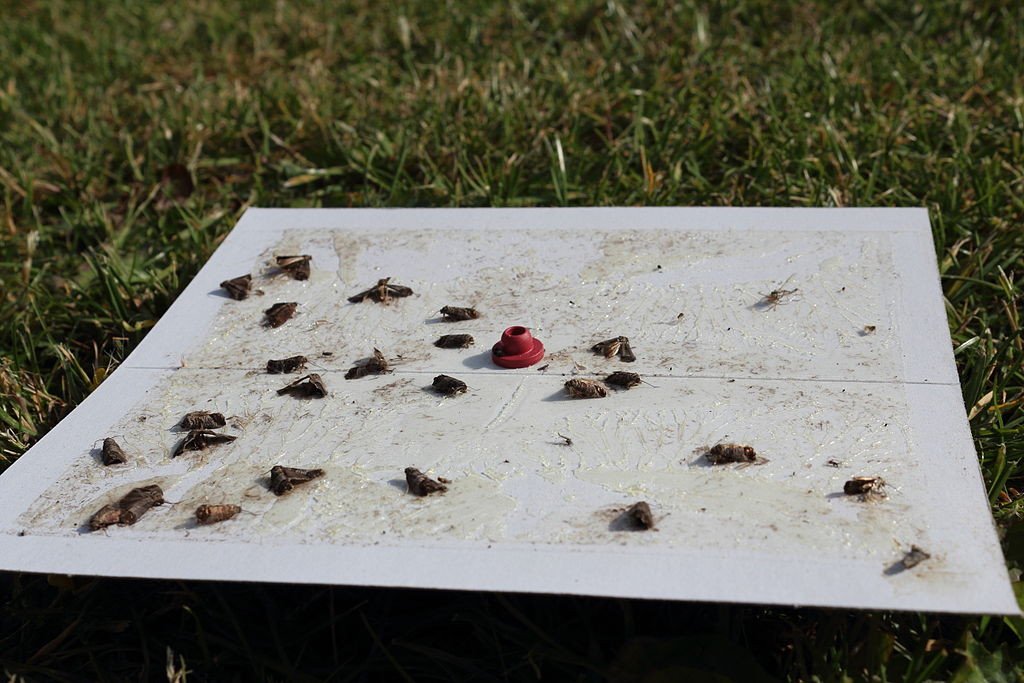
[296, 266]
[112, 453]
[201, 439]
[238, 287]
[639, 514]
[211, 514]
[774, 298]
[285, 365]
[868, 329]
[309, 386]
[725, 453]
[626, 380]
[129, 509]
[279, 314]
[108, 515]
[284, 479]
[618, 346]
[544, 367]
[834, 463]
[201, 419]
[138, 501]
[422, 485]
[456, 313]
[914, 557]
[376, 364]
[865, 487]
[566, 439]
[454, 341]
[382, 292]
[585, 388]
[449, 386]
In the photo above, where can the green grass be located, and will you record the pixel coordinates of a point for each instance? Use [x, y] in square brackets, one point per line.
[132, 136]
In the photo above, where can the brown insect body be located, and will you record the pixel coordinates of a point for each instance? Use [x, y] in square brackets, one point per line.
[774, 298]
[211, 514]
[865, 487]
[382, 292]
[286, 365]
[138, 501]
[108, 515]
[457, 313]
[129, 509]
[284, 479]
[454, 341]
[585, 388]
[640, 515]
[608, 348]
[376, 364]
[617, 346]
[112, 453]
[422, 485]
[449, 386]
[238, 287]
[914, 557]
[201, 419]
[295, 266]
[201, 439]
[279, 314]
[309, 386]
[726, 453]
[626, 380]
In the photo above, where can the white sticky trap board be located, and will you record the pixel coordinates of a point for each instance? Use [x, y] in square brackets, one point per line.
[802, 382]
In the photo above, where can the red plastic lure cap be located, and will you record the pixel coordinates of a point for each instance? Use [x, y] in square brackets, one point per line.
[517, 349]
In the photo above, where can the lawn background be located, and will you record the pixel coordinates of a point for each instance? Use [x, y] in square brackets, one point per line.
[133, 135]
